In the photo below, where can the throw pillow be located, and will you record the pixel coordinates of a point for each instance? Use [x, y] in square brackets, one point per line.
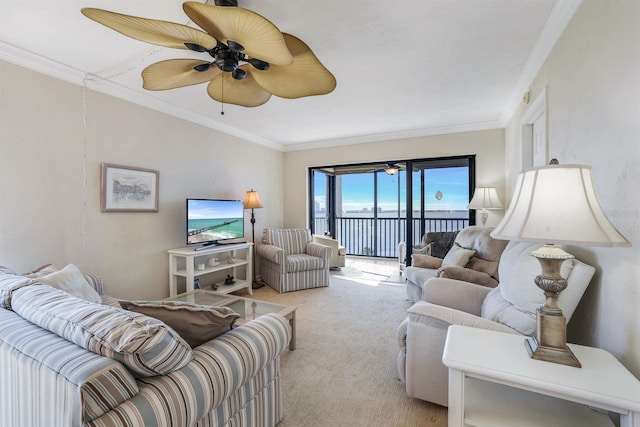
[41, 271]
[423, 250]
[457, 256]
[9, 282]
[143, 344]
[468, 275]
[196, 324]
[425, 261]
[71, 280]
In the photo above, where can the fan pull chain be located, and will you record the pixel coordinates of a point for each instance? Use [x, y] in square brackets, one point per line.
[222, 96]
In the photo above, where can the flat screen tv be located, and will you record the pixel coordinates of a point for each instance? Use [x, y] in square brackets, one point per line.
[212, 221]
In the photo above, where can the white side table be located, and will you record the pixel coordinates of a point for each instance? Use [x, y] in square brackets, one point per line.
[493, 382]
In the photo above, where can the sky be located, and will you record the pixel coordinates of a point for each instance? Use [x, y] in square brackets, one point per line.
[207, 209]
[357, 190]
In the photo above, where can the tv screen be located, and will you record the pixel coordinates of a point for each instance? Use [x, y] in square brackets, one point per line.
[213, 220]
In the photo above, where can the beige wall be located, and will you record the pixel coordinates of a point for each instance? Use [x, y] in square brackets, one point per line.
[593, 92]
[487, 145]
[44, 150]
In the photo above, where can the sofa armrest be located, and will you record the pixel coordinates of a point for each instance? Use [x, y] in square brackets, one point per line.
[219, 369]
[271, 253]
[426, 331]
[468, 275]
[86, 384]
[431, 314]
[238, 355]
[456, 294]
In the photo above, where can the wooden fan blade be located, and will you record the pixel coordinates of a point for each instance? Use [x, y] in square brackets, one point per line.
[305, 77]
[153, 31]
[260, 38]
[246, 92]
[174, 73]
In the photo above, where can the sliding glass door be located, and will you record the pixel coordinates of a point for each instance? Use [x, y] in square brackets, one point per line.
[365, 206]
[441, 191]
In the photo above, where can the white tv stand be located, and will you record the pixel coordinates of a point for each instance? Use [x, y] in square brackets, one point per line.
[183, 263]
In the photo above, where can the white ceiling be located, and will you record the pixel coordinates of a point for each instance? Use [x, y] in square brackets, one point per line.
[404, 68]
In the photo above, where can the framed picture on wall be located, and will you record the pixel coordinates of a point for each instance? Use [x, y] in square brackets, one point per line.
[128, 189]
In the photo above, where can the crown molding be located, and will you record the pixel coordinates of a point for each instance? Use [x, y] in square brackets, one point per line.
[560, 16]
[394, 136]
[32, 61]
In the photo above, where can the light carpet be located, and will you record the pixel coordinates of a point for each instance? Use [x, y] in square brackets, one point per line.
[343, 371]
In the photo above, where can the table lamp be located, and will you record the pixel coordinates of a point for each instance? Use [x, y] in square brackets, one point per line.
[485, 198]
[555, 204]
[252, 201]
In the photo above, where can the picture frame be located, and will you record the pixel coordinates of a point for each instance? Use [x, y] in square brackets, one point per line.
[128, 189]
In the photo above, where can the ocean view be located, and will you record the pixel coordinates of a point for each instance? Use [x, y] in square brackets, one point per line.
[215, 229]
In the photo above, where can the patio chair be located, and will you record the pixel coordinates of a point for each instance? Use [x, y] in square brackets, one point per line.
[338, 252]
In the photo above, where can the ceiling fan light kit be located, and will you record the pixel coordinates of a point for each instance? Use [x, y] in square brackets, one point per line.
[249, 58]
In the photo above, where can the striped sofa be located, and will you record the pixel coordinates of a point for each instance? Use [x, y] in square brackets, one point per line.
[291, 261]
[57, 371]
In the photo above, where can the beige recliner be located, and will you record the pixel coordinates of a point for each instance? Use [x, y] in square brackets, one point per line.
[510, 307]
[474, 257]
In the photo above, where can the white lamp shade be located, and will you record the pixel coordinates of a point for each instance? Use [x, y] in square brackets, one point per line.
[252, 200]
[485, 198]
[557, 204]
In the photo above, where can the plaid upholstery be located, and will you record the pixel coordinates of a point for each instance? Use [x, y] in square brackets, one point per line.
[291, 261]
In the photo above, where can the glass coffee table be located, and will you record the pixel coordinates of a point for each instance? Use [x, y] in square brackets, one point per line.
[248, 309]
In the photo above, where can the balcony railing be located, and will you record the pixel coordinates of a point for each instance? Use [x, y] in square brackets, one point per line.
[379, 237]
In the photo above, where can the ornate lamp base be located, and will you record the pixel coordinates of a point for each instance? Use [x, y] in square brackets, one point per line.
[550, 342]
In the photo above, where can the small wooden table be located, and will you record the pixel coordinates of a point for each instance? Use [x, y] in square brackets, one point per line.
[249, 309]
[494, 382]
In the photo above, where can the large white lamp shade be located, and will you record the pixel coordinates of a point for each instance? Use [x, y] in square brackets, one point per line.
[555, 204]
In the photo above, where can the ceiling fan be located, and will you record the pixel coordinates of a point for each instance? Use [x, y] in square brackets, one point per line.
[249, 58]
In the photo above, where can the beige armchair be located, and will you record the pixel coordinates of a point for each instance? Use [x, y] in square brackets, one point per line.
[510, 307]
[291, 261]
[338, 252]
